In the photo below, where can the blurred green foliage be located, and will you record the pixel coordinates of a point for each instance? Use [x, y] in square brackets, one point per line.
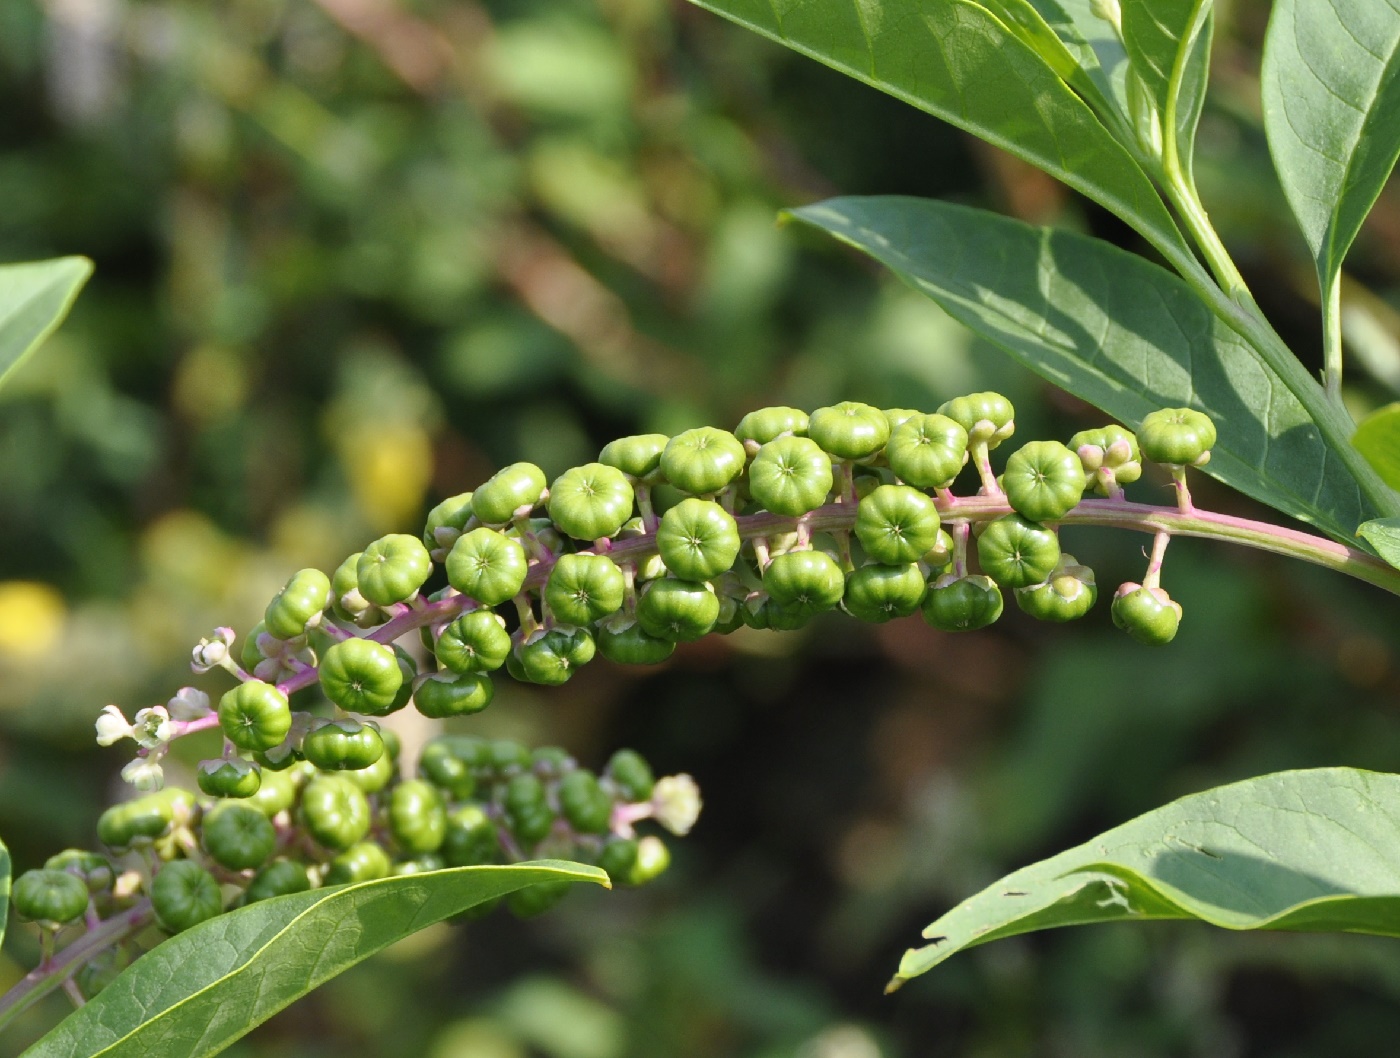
[353, 255]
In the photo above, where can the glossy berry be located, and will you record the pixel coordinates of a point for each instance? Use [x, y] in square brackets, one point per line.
[791, 476]
[927, 451]
[585, 804]
[809, 579]
[617, 857]
[471, 838]
[361, 676]
[94, 869]
[278, 878]
[940, 555]
[342, 745]
[238, 836]
[346, 601]
[962, 604]
[229, 777]
[552, 658]
[1177, 437]
[1044, 480]
[448, 762]
[1147, 614]
[1016, 552]
[766, 424]
[849, 430]
[881, 593]
[631, 774]
[487, 566]
[697, 539]
[277, 793]
[335, 812]
[896, 524]
[184, 894]
[528, 812]
[374, 778]
[392, 569]
[49, 896]
[453, 694]
[638, 457]
[516, 487]
[298, 604]
[255, 715]
[136, 822]
[897, 417]
[677, 610]
[633, 646]
[703, 461]
[590, 502]
[475, 642]
[584, 588]
[417, 817]
[987, 417]
[1067, 595]
[446, 522]
[363, 862]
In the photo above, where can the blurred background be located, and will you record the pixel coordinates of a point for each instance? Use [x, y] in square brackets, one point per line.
[353, 255]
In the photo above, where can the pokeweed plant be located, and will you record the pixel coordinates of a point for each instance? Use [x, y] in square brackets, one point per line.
[309, 846]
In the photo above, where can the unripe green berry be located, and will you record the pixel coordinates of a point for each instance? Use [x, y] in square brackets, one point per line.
[927, 451]
[417, 817]
[487, 566]
[346, 601]
[335, 812]
[184, 894]
[229, 777]
[697, 539]
[363, 862]
[633, 646]
[361, 676]
[50, 897]
[554, 656]
[703, 461]
[987, 417]
[278, 878]
[255, 715]
[453, 694]
[590, 502]
[528, 813]
[805, 578]
[791, 476]
[446, 523]
[896, 524]
[638, 457]
[766, 424]
[506, 757]
[584, 803]
[520, 485]
[962, 604]
[392, 569]
[881, 593]
[1147, 614]
[1067, 595]
[1016, 552]
[585, 588]
[653, 857]
[1044, 480]
[419, 865]
[618, 857]
[238, 836]
[299, 604]
[1177, 437]
[276, 793]
[475, 642]
[448, 762]
[94, 869]
[342, 745]
[140, 821]
[374, 778]
[849, 430]
[471, 838]
[677, 610]
[631, 774]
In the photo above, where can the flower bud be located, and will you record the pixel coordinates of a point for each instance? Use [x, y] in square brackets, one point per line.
[144, 773]
[211, 651]
[676, 803]
[112, 726]
[189, 703]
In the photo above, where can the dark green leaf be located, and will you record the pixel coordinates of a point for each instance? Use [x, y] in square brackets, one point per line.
[1384, 535]
[960, 62]
[34, 298]
[1113, 329]
[204, 988]
[1168, 45]
[1378, 439]
[1300, 850]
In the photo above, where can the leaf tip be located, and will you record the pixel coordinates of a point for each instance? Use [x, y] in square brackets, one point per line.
[895, 984]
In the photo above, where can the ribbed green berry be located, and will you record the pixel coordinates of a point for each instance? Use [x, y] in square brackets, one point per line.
[617, 857]
[927, 451]
[448, 762]
[335, 812]
[520, 485]
[362, 862]
[342, 745]
[184, 894]
[1044, 480]
[940, 554]
[453, 694]
[962, 604]
[471, 838]
[698, 539]
[505, 756]
[552, 658]
[135, 822]
[703, 461]
[1147, 614]
[1067, 595]
[766, 424]
[631, 774]
[346, 601]
[897, 417]
[487, 566]
[790, 476]
[896, 524]
[276, 793]
[446, 523]
[94, 869]
[849, 430]
[1016, 552]
[536, 899]
[677, 610]
[638, 457]
[590, 502]
[238, 836]
[551, 761]
[881, 593]
[361, 676]
[48, 896]
[374, 778]
[278, 878]
[229, 777]
[528, 813]
[417, 817]
[255, 715]
[475, 642]
[805, 578]
[392, 569]
[418, 865]
[633, 646]
[987, 417]
[585, 804]
[298, 604]
[1177, 437]
[585, 588]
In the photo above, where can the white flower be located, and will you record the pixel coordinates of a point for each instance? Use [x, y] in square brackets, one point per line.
[153, 727]
[189, 703]
[676, 803]
[112, 726]
[145, 774]
[211, 651]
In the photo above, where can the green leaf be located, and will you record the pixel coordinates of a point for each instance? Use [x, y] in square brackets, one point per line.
[1299, 850]
[1378, 439]
[1168, 45]
[1113, 329]
[1331, 88]
[34, 298]
[1384, 535]
[958, 61]
[202, 989]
